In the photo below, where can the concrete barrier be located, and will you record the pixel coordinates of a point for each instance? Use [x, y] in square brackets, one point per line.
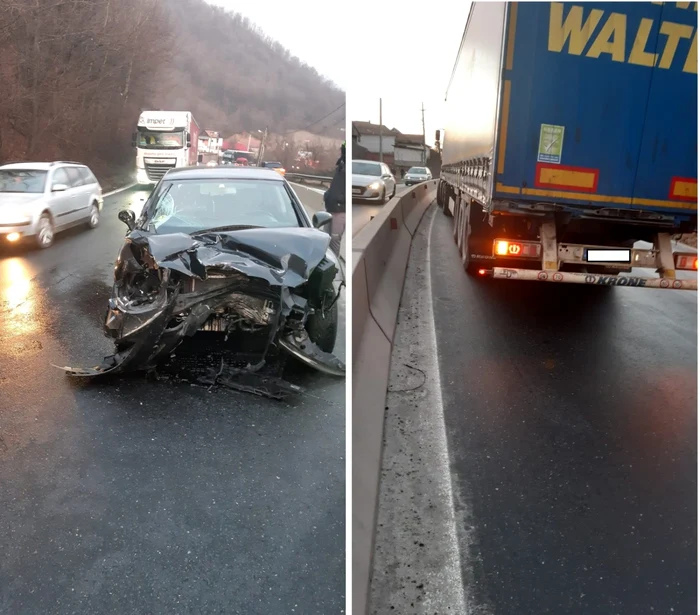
[380, 256]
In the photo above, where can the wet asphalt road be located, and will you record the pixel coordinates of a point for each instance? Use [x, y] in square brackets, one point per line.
[153, 497]
[570, 416]
[362, 213]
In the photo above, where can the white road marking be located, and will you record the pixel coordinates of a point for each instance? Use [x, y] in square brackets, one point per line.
[118, 190]
[318, 190]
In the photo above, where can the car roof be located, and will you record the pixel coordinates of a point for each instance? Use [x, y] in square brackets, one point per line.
[223, 172]
[369, 161]
[39, 166]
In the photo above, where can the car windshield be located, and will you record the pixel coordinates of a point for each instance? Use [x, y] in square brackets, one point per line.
[191, 206]
[22, 180]
[160, 140]
[418, 170]
[366, 168]
[273, 165]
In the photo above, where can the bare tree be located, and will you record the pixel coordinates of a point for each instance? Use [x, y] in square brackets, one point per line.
[75, 74]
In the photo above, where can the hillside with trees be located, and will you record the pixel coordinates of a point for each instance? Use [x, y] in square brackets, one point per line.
[75, 76]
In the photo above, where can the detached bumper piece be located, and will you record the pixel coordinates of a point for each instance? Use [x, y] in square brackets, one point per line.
[300, 346]
[251, 381]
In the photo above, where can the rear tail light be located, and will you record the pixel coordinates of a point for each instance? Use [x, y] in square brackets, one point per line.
[517, 249]
[687, 262]
[482, 271]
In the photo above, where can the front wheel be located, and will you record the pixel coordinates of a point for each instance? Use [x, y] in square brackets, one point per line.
[384, 199]
[44, 232]
[323, 328]
[94, 219]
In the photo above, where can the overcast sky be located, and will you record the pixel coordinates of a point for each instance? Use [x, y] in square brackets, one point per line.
[312, 30]
[410, 61]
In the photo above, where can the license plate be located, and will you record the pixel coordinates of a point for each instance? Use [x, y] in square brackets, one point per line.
[169, 161]
[356, 191]
[608, 256]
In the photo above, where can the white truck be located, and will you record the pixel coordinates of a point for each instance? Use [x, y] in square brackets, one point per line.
[164, 140]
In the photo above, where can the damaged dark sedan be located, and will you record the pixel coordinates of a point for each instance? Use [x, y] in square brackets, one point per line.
[228, 252]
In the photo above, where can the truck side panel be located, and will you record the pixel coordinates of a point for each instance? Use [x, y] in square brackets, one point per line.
[472, 99]
[600, 105]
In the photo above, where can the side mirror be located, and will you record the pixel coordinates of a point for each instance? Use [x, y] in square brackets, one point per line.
[59, 188]
[321, 219]
[134, 137]
[189, 140]
[128, 217]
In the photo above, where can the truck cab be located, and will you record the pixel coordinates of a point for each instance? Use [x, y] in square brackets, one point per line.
[164, 140]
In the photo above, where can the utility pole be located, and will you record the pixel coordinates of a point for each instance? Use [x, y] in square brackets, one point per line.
[261, 151]
[422, 151]
[381, 157]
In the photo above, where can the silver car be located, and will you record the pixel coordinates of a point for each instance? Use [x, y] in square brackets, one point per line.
[416, 175]
[372, 181]
[38, 199]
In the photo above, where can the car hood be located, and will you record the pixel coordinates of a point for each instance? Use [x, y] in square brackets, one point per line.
[282, 257]
[364, 180]
[8, 199]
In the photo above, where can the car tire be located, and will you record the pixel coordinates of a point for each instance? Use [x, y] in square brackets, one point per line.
[384, 199]
[323, 328]
[94, 218]
[44, 231]
[393, 194]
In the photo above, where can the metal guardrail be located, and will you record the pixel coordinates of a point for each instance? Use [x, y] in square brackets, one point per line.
[301, 178]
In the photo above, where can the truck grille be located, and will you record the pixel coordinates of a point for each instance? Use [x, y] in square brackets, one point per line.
[156, 171]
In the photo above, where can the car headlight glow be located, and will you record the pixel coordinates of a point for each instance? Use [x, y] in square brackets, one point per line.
[374, 186]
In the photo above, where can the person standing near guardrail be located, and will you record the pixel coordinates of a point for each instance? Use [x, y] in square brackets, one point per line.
[334, 201]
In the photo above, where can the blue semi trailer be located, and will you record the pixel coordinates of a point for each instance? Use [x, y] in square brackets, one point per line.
[572, 136]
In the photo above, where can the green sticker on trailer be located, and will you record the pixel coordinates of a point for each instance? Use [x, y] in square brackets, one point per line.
[551, 144]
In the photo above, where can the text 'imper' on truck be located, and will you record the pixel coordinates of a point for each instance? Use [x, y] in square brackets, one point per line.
[164, 140]
[571, 136]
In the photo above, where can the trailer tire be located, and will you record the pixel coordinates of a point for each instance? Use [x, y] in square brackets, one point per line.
[477, 237]
[457, 221]
[446, 200]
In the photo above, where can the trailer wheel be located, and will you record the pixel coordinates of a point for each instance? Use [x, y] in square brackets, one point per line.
[438, 196]
[457, 221]
[445, 200]
[477, 238]
[462, 230]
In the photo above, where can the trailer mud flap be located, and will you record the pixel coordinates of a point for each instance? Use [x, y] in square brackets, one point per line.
[593, 279]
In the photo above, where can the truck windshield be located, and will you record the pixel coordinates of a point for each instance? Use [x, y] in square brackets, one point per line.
[191, 206]
[22, 180]
[366, 168]
[160, 140]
